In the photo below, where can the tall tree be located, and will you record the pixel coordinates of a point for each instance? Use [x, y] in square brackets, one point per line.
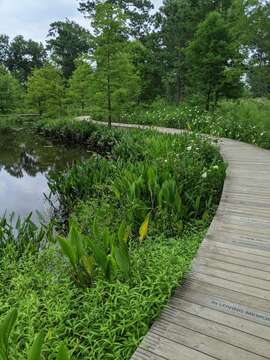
[177, 22]
[24, 56]
[67, 41]
[80, 88]
[45, 91]
[4, 48]
[258, 18]
[10, 92]
[136, 12]
[211, 56]
[116, 82]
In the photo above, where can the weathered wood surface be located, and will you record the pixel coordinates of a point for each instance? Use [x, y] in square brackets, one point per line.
[222, 311]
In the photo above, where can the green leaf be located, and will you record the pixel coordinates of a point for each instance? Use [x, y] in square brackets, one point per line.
[88, 263]
[35, 351]
[5, 329]
[63, 353]
[122, 259]
[99, 255]
[67, 250]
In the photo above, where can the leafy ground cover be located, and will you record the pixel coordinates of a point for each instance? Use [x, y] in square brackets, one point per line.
[137, 211]
[246, 119]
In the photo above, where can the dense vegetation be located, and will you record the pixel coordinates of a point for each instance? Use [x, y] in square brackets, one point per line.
[137, 212]
[246, 120]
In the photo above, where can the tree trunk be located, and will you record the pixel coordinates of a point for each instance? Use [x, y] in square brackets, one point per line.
[208, 99]
[109, 91]
[178, 89]
[178, 96]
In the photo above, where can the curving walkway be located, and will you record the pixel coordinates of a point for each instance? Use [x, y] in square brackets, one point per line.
[222, 311]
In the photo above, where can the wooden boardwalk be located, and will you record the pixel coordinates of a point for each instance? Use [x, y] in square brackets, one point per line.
[222, 311]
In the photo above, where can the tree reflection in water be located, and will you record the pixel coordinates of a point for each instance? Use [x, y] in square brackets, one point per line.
[26, 162]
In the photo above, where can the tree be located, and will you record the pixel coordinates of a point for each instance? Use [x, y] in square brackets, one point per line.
[67, 41]
[10, 92]
[116, 84]
[24, 56]
[136, 12]
[45, 91]
[213, 59]
[258, 21]
[80, 86]
[4, 47]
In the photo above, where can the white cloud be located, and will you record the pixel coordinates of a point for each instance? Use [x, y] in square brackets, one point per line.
[31, 18]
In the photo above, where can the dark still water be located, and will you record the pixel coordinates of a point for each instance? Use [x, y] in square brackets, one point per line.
[26, 161]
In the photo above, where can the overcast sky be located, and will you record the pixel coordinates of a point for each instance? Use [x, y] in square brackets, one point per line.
[31, 18]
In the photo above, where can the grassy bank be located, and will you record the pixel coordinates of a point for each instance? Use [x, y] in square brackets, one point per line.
[247, 120]
[137, 211]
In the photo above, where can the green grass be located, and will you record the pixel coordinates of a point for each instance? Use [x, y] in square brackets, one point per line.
[175, 180]
[106, 321]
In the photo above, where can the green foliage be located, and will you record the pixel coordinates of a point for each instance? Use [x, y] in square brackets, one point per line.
[137, 212]
[6, 327]
[45, 91]
[10, 92]
[101, 140]
[246, 120]
[103, 322]
[19, 233]
[116, 84]
[23, 56]
[212, 56]
[67, 42]
[137, 13]
[103, 250]
[80, 88]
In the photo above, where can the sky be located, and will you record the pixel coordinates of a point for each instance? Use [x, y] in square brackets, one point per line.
[31, 18]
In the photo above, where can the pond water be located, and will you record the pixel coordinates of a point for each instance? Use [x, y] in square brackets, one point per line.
[26, 161]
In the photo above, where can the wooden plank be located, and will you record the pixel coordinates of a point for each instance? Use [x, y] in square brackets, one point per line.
[234, 303]
[232, 285]
[234, 261]
[171, 350]
[238, 269]
[232, 321]
[231, 276]
[217, 331]
[201, 342]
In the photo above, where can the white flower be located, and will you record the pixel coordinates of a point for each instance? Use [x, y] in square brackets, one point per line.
[204, 175]
[189, 148]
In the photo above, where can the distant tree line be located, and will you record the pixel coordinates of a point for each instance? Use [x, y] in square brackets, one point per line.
[202, 50]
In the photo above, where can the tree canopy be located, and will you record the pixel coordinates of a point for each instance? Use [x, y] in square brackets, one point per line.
[67, 41]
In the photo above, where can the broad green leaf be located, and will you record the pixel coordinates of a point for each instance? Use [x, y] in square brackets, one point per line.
[122, 259]
[35, 351]
[62, 353]
[67, 250]
[5, 329]
[99, 255]
[88, 264]
[205, 216]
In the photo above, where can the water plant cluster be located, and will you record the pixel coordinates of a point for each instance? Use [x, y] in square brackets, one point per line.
[246, 120]
[133, 216]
